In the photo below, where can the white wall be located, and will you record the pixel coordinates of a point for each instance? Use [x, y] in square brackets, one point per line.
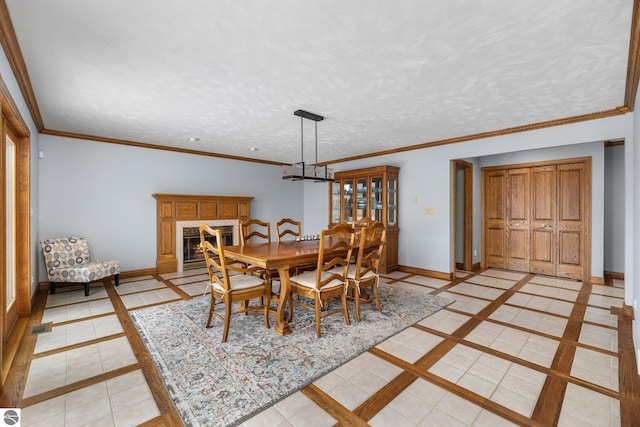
[104, 192]
[614, 195]
[425, 240]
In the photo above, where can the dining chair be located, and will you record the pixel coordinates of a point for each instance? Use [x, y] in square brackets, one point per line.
[254, 228]
[231, 282]
[328, 280]
[288, 226]
[364, 273]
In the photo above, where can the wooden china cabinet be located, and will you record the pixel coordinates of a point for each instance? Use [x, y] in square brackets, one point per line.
[368, 193]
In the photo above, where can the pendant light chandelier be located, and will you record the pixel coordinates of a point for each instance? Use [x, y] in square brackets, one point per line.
[298, 171]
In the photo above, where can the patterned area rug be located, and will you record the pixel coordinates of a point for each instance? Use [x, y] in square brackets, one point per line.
[212, 383]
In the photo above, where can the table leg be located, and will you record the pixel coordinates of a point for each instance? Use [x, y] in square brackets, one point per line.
[282, 326]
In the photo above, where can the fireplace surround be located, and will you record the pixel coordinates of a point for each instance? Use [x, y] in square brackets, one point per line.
[191, 209]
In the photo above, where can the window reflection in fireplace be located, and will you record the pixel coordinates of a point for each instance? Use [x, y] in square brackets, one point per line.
[192, 250]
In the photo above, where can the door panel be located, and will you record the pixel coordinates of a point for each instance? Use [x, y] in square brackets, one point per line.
[543, 222]
[518, 201]
[571, 222]
[495, 212]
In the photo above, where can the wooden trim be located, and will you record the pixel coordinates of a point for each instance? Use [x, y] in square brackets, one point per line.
[154, 146]
[633, 64]
[613, 275]
[9, 43]
[507, 131]
[615, 143]
[597, 280]
[429, 273]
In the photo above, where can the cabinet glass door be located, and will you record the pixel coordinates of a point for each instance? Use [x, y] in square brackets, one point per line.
[347, 201]
[376, 199]
[392, 200]
[361, 211]
[335, 202]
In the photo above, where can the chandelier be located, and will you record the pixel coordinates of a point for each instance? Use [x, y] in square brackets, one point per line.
[299, 171]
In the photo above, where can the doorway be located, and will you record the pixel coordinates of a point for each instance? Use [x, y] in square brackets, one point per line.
[463, 214]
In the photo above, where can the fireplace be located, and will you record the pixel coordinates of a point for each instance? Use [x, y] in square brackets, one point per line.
[192, 253]
[188, 250]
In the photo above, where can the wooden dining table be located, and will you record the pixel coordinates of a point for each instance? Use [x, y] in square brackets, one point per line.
[283, 256]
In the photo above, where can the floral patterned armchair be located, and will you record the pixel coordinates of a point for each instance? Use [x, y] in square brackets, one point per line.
[67, 259]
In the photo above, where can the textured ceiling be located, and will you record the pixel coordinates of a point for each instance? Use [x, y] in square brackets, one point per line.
[385, 74]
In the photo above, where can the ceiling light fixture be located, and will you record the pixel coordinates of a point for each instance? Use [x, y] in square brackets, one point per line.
[298, 171]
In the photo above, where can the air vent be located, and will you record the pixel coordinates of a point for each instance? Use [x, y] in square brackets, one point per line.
[41, 328]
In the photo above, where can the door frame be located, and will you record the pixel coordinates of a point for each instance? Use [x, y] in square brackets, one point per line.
[587, 208]
[10, 117]
[467, 213]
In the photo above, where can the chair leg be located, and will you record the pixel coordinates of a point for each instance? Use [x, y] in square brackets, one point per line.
[227, 318]
[375, 295]
[345, 310]
[116, 278]
[52, 287]
[86, 289]
[211, 309]
[317, 307]
[356, 298]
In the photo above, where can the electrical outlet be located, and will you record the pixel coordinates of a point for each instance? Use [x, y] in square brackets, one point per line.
[475, 252]
[428, 211]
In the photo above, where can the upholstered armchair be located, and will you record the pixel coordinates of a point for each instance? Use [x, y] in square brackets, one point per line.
[68, 259]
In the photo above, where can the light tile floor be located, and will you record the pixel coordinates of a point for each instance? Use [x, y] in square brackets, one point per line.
[503, 357]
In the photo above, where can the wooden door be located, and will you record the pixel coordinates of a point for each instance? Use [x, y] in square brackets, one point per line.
[518, 199]
[537, 218]
[495, 189]
[571, 221]
[543, 220]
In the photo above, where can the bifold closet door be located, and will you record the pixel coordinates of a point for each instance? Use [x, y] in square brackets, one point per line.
[571, 219]
[518, 214]
[543, 220]
[536, 218]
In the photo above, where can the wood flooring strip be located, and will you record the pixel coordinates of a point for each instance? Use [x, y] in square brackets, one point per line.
[547, 409]
[16, 378]
[344, 416]
[374, 404]
[78, 345]
[462, 392]
[177, 289]
[628, 377]
[156, 385]
[50, 394]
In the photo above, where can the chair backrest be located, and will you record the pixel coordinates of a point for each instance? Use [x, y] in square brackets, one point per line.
[336, 247]
[65, 252]
[364, 222]
[372, 241]
[214, 255]
[288, 226]
[254, 228]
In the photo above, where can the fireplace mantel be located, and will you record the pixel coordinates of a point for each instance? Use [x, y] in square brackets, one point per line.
[188, 207]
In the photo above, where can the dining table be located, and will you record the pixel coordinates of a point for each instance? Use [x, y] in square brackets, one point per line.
[284, 256]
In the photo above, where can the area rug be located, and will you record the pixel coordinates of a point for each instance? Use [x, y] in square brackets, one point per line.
[214, 383]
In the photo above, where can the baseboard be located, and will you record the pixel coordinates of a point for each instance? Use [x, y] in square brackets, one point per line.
[595, 280]
[429, 273]
[475, 267]
[613, 275]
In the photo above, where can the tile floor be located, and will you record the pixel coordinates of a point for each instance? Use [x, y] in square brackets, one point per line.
[483, 361]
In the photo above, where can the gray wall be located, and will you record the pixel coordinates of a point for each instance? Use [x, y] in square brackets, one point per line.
[104, 192]
[614, 209]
